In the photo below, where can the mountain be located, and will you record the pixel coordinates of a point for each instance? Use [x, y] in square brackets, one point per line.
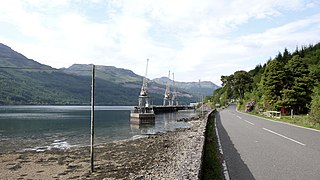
[11, 58]
[25, 81]
[206, 87]
[127, 79]
[109, 73]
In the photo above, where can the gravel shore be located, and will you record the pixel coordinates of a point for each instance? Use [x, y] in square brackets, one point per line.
[171, 155]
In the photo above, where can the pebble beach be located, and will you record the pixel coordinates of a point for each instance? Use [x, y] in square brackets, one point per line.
[171, 155]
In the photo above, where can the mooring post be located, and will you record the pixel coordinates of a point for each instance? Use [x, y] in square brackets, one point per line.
[92, 118]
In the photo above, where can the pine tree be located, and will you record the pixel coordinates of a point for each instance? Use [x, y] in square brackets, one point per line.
[286, 56]
[297, 93]
[273, 82]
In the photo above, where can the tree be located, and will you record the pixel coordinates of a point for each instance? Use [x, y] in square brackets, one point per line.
[286, 56]
[298, 90]
[220, 96]
[273, 82]
[279, 57]
[315, 105]
[256, 75]
[242, 82]
[228, 86]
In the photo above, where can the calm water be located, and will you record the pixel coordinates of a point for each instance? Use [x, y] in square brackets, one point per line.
[46, 127]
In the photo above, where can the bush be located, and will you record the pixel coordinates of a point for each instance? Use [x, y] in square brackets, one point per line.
[315, 105]
[240, 104]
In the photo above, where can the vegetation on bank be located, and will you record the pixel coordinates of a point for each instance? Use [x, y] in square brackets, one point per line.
[289, 83]
[211, 164]
[300, 120]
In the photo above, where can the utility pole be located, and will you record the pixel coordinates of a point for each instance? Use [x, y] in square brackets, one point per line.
[92, 118]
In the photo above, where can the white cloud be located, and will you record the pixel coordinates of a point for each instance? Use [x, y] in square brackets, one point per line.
[299, 32]
[192, 38]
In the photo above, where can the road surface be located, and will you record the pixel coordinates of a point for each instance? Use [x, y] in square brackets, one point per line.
[256, 148]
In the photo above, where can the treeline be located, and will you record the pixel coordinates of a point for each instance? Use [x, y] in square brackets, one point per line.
[288, 83]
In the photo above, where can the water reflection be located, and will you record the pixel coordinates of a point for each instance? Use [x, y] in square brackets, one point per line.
[144, 129]
[48, 127]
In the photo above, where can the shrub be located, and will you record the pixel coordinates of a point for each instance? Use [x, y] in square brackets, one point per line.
[315, 105]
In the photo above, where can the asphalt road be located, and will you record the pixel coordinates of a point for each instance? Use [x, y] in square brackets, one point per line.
[256, 148]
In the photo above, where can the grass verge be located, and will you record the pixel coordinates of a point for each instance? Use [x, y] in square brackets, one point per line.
[300, 120]
[211, 164]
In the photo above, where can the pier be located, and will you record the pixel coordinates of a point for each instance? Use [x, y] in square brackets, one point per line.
[166, 109]
[144, 113]
[170, 100]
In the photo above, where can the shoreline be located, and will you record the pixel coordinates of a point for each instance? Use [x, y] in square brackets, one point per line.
[69, 146]
[169, 155]
[68, 127]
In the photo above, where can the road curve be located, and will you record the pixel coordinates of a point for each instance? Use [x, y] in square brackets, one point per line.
[256, 148]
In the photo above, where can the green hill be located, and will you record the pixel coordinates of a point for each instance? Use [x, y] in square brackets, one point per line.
[24, 81]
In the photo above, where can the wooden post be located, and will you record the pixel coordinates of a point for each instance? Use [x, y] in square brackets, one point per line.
[92, 118]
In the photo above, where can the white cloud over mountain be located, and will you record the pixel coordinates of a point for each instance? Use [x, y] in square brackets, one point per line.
[195, 39]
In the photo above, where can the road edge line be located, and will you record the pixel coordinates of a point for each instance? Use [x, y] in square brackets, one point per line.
[224, 164]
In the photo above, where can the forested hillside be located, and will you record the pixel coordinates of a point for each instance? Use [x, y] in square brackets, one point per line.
[24, 81]
[288, 82]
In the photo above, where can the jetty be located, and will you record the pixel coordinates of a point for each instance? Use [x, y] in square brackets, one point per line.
[144, 113]
[167, 109]
[170, 100]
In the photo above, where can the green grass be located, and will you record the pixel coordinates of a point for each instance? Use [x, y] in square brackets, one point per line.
[211, 166]
[300, 120]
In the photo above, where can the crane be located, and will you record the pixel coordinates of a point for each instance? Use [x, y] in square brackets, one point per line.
[143, 98]
[174, 94]
[167, 95]
[143, 114]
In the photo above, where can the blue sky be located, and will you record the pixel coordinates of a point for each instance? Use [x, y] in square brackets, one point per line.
[194, 39]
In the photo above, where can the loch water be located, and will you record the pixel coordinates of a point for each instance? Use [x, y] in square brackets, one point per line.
[42, 128]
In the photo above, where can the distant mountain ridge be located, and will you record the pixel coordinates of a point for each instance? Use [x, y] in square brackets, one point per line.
[11, 58]
[30, 82]
[205, 87]
[105, 72]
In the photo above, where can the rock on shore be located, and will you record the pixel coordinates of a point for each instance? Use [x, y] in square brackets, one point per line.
[171, 155]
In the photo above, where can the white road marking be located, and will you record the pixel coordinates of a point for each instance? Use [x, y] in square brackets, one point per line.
[239, 117]
[249, 122]
[284, 136]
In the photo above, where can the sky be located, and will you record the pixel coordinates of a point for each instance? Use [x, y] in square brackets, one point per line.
[195, 39]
